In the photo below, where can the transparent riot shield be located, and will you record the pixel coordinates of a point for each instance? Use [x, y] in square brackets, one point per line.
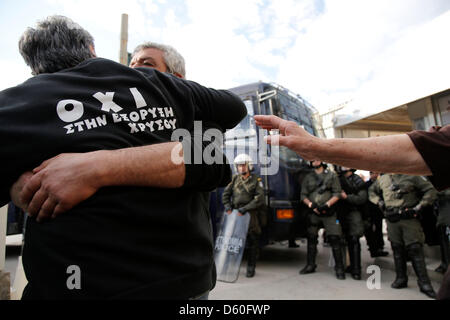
[230, 245]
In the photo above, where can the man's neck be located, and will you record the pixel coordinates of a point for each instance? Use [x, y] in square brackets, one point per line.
[245, 176]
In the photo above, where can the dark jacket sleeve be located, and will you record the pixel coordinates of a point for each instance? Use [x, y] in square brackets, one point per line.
[335, 186]
[205, 174]
[374, 193]
[258, 199]
[358, 198]
[220, 106]
[4, 196]
[227, 193]
[219, 109]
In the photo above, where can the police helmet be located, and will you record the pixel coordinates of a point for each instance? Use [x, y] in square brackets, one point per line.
[342, 169]
[244, 158]
[323, 164]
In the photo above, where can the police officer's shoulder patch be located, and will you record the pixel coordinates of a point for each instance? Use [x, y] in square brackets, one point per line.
[260, 182]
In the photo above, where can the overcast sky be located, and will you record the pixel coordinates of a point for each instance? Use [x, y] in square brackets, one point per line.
[377, 53]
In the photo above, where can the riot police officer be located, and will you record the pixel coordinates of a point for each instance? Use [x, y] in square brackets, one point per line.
[374, 224]
[402, 199]
[353, 197]
[443, 227]
[245, 193]
[320, 190]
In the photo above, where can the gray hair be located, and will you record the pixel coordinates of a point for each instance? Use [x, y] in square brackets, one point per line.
[57, 43]
[172, 58]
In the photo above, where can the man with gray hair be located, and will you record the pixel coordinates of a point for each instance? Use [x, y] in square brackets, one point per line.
[130, 239]
[159, 56]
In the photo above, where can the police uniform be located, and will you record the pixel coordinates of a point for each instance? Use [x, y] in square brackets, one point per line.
[247, 196]
[403, 197]
[443, 227]
[350, 215]
[319, 188]
[374, 227]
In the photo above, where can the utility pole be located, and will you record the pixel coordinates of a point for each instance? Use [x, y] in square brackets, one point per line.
[123, 53]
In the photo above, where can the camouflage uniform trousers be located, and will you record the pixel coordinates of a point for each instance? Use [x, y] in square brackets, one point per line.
[352, 224]
[405, 232]
[331, 225]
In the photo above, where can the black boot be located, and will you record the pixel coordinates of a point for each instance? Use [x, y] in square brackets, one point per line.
[415, 251]
[338, 257]
[354, 251]
[445, 250]
[401, 279]
[293, 244]
[253, 241]
[310, 257]
[250, 271]
[350, 254]
[378, 253]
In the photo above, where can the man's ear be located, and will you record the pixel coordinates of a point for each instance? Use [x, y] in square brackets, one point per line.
[91, 47]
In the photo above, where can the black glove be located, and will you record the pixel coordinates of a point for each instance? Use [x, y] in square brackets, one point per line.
[418, 209]
[381, 205]
[323, 209]
[412, 212]
[242, 210]
[313, 205]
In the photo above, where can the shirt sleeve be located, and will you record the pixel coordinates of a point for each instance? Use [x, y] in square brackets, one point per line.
[304, 192]
[434, 147]
[335, 186]
[220, 106]
[258, 199]
[429, 193]
[205, 174]
[358, 198]
[226, 195]
[374, 192]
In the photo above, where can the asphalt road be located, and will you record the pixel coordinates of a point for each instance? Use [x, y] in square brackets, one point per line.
[277, 278]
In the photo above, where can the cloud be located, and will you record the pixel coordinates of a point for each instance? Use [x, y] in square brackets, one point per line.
[14, 73]
[346, 48]
[325, 50]
[415, 66]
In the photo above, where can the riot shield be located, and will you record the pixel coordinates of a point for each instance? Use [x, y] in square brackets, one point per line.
[230, 245]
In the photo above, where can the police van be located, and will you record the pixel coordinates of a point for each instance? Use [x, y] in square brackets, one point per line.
[281, 170]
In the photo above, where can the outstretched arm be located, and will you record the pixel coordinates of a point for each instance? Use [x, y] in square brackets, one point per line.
[60, 183]
[395, 154]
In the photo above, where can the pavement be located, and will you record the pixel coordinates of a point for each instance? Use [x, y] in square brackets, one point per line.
[277, 276]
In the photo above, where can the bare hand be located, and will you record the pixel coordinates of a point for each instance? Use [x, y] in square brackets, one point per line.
[59, 184]
[343, 195]
[17, 187]
[291, 135]
[229, 211]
